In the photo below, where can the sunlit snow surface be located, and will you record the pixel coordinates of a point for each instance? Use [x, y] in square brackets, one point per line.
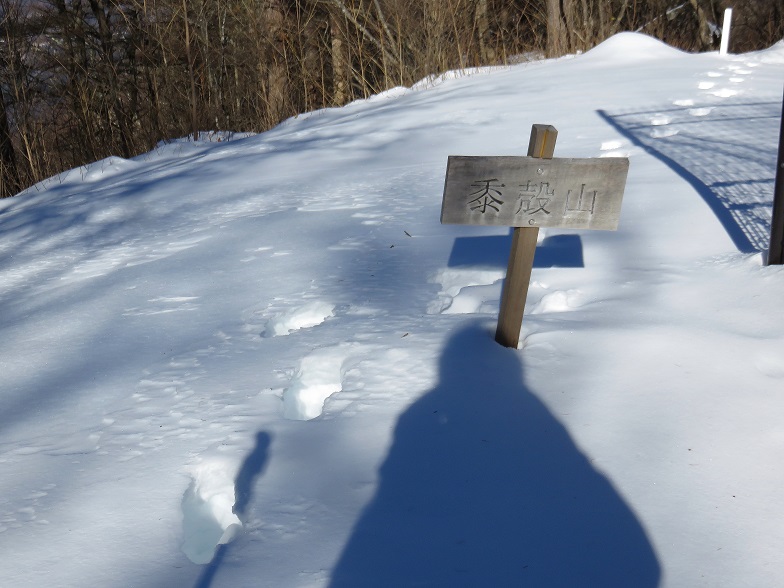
[261, 360]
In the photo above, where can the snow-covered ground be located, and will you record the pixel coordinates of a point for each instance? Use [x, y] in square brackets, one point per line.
[263, 362]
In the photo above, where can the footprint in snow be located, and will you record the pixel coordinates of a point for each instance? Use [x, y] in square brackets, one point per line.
[663, 132]
[320, 375]
[208, 519]
[725, 93]
[661, 120]
[770, 365]
[661, 127]
[617, 148]
[718, 92]
[739, 70]
[611, 145]
[310, 315]
[558, 301]
[467, 291]
[704, 111]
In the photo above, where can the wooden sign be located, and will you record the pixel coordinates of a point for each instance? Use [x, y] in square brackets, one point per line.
[531, 192]
[528, 193]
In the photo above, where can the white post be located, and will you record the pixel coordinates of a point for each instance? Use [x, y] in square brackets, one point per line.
[725, 32]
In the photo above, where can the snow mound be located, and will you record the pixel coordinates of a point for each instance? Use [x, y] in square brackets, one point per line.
[390, 94]
[432, 81]
[106, 167]
[208, 519]
[773, 54]
[625, 47]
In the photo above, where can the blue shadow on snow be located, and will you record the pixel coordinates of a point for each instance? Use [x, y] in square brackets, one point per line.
[484, 487]
[727, 155]
[493, 250]
[252, 468]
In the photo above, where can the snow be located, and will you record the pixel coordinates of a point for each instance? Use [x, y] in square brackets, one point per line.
[261, 360]
[208, 519]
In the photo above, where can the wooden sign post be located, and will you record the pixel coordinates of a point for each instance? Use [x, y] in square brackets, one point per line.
[776, 249]
[527, 193]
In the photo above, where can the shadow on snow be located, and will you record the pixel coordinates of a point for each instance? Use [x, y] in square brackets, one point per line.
[484, 487]
[727, 152]
[251, 469]
[493, 251]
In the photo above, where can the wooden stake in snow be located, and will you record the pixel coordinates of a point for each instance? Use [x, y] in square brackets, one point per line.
[776, 250]
[527, 193]
[725, 32]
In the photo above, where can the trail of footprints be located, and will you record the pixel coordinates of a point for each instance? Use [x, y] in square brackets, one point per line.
[327, 381]
[28, 514]
[721, 84]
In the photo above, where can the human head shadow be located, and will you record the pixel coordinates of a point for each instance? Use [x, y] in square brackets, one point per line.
[251, 469]
[484, 487]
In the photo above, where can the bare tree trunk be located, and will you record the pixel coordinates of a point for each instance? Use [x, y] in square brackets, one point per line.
[341, 66]
[611, 23]
[486, 50]
[340, 5]
[703, 24]
[191, 71]
[9, 174]
[312, 28]
[435, 31]
[556, 30]
[277, 74]
[102, 13]
[75, 63]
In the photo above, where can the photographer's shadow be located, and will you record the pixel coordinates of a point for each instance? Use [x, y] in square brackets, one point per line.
[484, 487]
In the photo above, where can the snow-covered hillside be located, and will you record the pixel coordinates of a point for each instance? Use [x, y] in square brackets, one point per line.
[262, 361]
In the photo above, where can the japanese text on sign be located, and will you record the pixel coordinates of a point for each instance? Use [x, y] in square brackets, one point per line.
[523, 191]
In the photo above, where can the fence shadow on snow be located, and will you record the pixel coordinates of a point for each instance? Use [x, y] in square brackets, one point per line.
[726, 151]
